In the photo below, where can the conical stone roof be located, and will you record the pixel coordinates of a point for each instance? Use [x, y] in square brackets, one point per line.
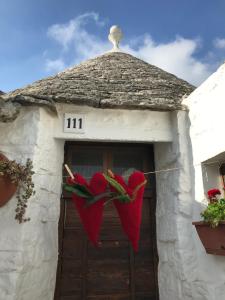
[113, 80]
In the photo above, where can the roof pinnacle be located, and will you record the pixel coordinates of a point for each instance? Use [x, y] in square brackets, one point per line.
[115, 36]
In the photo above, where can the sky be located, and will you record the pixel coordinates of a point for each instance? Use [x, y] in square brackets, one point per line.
[39, 38]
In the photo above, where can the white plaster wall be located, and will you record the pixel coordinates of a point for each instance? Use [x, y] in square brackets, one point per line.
[17, 141]
[29, 252]
[116, 124]
[177, 260]
[207, 106]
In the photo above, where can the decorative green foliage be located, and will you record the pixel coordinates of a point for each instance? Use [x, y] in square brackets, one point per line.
[118, 187]
[214, 213]
[122, 198]
[119, 192]
[83, 192]
[91, 201]
[79, 190]
[21, 175]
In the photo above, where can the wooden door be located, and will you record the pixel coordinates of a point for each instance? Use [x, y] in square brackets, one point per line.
[112, 271]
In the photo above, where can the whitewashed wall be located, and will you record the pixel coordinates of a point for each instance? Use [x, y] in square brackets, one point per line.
[207, 106]
[29, 252]
[116, 125]
[176, 249]
[17, 141]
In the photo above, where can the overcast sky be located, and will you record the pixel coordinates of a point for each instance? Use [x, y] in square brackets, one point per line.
[39, 38]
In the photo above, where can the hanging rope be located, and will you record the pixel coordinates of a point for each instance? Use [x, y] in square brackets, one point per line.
[145, 173]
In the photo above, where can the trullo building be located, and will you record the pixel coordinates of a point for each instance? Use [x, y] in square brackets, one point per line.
[113, 112]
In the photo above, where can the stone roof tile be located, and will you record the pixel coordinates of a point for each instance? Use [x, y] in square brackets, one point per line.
[112, 80]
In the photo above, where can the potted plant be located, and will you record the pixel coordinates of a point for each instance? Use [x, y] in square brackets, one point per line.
[211, 230]
[7, 187]
[15, 177]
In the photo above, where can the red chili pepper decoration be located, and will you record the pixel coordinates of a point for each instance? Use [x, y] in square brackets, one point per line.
[130, 213]
[90, 215]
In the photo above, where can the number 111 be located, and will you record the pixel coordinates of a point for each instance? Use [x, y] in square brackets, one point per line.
[73, 122]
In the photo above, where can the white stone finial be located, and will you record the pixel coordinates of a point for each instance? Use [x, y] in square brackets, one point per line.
[115, 36]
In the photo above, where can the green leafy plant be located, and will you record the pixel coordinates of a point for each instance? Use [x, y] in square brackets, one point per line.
[215, 211]
[20, 175]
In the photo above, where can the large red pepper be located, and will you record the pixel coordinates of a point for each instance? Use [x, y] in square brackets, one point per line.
[131, 213]
[91, 216]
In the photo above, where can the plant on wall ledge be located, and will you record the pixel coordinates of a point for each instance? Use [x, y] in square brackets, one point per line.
[215, 211]
[16, 178]
[212, 229]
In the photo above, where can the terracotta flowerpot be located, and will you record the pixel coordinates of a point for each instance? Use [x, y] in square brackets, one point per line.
[213, 239]
[7, 188]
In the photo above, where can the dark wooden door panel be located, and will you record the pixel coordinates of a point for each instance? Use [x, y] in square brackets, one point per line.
[109, 251]
[112, 271]
[146, 297]
[110, 297]
[73, 244]
[74, 297]
[102, 279]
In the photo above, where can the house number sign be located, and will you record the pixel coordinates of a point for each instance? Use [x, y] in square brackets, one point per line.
[74, 123]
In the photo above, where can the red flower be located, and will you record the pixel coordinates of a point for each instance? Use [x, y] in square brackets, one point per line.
[212, 193]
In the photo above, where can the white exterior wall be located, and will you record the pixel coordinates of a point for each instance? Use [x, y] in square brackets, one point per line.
[177, 260]
[17, 141]
[29, 252]
[116, 125]
[207, 106]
